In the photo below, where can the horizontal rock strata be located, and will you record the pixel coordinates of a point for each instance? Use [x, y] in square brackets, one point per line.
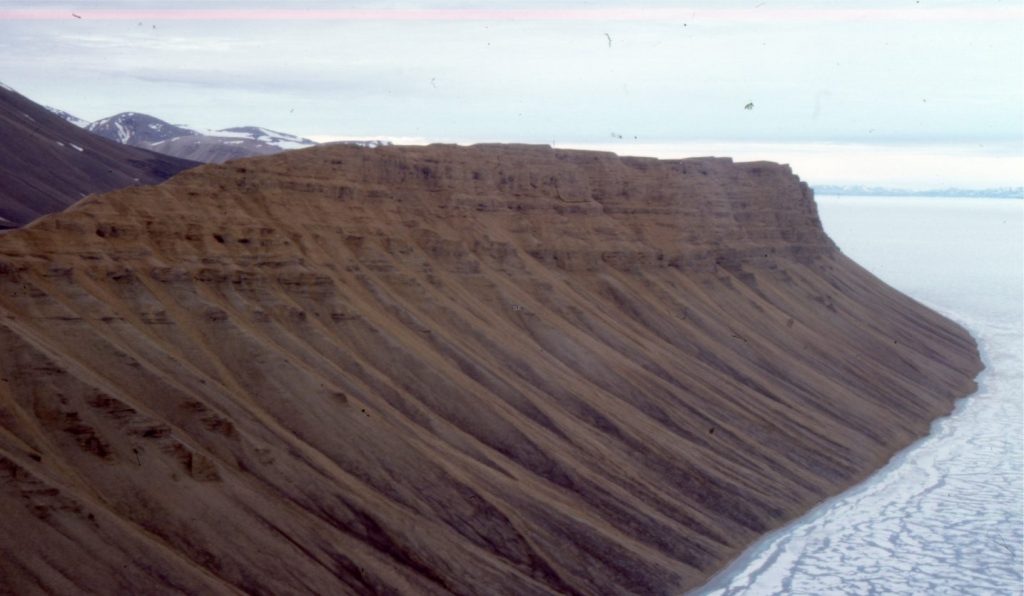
[476, 370]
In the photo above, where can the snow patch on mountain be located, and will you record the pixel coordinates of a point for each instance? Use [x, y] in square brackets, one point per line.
[371, 144]
[79, 122]
[132, 128]
[281, 140]
[188, 142]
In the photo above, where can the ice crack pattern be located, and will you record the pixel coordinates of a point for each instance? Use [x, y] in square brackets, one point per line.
[945, 516]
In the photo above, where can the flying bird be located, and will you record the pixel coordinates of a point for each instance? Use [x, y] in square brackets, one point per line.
[749, 106]
[609, 39]
[76, 16]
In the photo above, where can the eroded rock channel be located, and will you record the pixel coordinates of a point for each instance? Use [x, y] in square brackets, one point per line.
[488, 369]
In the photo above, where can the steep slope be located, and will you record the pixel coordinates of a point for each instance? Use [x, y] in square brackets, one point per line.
[482, 370]
[79, 122]
[212, 146]
[47, 163]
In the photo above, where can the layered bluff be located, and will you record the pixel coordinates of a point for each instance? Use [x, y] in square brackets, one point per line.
[477, 370]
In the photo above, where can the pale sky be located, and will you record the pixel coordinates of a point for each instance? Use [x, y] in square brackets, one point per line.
[914, 93]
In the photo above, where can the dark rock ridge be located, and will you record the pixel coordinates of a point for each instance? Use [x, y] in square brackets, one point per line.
[472, 370]
[47, 163]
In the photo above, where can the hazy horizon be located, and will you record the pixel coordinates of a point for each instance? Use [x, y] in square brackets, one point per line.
[926, 95]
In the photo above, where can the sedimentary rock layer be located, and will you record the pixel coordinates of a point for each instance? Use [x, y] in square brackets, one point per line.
[482, 370]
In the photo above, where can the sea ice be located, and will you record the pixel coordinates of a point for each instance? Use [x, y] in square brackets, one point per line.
[946, 516]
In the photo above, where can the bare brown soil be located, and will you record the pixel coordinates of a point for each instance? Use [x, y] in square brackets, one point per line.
[483, 370]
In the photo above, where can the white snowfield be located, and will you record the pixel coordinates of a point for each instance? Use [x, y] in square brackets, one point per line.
[367, 144]
[256, 133]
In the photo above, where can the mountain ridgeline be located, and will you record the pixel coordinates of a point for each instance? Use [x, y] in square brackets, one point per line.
[214, 146]
[473, 370]
[48, 163]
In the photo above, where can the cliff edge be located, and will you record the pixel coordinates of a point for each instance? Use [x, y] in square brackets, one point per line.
[477, 370]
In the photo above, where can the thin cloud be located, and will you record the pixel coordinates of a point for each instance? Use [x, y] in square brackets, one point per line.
[943, 71]
[143, 42]
[761, 15]
[906, 165]
[348, 84]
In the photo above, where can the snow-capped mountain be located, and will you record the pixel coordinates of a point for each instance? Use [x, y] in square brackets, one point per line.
[263, 135]
[211, 146]
[47, 163]
[130, 128]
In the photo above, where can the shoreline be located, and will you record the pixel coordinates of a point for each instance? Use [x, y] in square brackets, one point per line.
[718, 584]
[607, 469]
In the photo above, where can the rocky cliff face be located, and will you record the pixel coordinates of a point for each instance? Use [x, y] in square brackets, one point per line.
[492, 370]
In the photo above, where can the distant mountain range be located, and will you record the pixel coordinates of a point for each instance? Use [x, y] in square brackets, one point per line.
[1009, 192]
[46, 164]
[196, 144]
[49, 158]
[208, 146]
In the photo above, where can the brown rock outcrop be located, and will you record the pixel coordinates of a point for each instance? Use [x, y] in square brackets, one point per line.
[482, 370]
